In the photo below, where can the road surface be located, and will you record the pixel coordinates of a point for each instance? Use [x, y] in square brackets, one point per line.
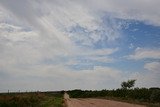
[90, 102]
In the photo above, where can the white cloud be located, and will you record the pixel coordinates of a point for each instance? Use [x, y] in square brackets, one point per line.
[131, 46]
[24, 48]
[15, 33]
[29, 15]
[56, 20]
[146, 79]
[48, 77]
[152, 66]
[149, 77]
[94, 52]
[33, 31]
[144, 10]
[103, 59]
[51, 22]
[145, 53]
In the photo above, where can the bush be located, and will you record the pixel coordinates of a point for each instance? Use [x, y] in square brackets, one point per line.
[155, 96]
[138, 94]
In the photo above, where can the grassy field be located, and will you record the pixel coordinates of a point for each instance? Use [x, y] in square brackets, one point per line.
[34, 99]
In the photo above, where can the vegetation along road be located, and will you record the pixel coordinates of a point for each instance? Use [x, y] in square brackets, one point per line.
[91, 102]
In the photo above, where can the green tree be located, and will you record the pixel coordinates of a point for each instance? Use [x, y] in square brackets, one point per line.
[128, 84]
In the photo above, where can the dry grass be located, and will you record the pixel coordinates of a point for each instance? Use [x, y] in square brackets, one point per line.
[30, 100]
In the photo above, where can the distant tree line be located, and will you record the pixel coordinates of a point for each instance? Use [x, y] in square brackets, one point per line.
[126, 92]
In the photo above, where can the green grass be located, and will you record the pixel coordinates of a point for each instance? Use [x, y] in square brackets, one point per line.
[58, 102]
[38, 99]
[52, 101]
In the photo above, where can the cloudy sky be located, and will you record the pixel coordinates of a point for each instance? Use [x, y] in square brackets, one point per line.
[78, 44]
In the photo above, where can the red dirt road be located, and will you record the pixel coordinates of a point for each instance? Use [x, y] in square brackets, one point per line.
[89, 102]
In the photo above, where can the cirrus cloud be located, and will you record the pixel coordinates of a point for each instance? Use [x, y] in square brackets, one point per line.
[141, 53]
[40, 40]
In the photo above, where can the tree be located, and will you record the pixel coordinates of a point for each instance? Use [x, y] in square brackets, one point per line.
[128, 84]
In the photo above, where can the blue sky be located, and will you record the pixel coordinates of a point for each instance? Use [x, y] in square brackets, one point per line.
[58, 45]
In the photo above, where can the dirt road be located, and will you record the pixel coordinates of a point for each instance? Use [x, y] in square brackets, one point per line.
[89, 102]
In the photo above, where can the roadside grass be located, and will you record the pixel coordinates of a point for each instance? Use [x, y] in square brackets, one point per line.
[52, 101]
[34, 99]
[149, 97]
[58, 102]
[132, 101]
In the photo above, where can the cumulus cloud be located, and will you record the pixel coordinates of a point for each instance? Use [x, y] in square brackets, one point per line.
[144, 53]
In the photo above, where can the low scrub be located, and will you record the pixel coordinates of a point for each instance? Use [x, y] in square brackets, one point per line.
[151, 95]
[31, 100]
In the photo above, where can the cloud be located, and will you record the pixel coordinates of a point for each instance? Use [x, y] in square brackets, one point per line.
[36, 47]
[146, 79]
[131, 46]
[144, 53]
[44, 31]
[26, 12]
[149, 77]
[94, 52]
[39, 40]
[58, 19]
[135, 10]
[48, 77]
[103, 59]
[152, 66]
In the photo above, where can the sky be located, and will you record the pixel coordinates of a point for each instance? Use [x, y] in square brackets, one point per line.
[78, 44]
